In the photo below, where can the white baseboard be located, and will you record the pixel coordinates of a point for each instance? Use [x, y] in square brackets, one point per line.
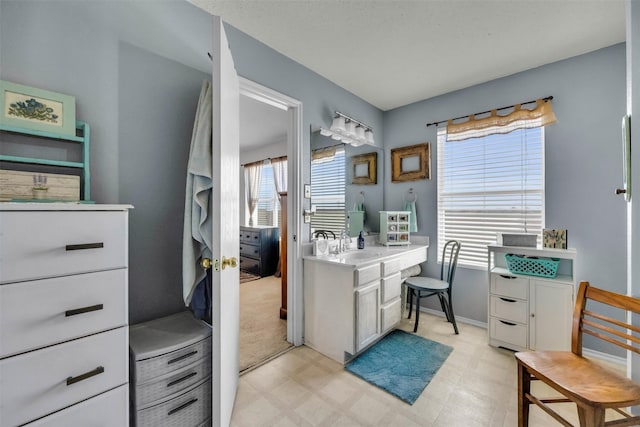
[458, 318]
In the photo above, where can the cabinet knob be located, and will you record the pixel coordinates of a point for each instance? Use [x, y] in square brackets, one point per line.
[533, 315]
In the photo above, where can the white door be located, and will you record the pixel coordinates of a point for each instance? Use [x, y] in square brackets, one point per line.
[225, 213]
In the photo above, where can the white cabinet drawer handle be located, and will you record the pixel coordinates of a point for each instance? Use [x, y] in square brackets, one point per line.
[507, 277]
[507, 299]
[83, 246]
[181, 407]
[82, 310]
[508, 323]
[73, 380]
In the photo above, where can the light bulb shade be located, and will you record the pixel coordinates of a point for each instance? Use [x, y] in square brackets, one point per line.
[338, 124]
[360, 133]
[336, 136]
[369, 136]
[351, 129]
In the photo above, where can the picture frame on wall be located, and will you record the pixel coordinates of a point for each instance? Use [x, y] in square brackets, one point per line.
[411, 163]
[554, 238]
[364, 169]
[37, 109]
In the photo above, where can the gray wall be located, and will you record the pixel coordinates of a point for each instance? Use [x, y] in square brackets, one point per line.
[582, 154]
[112, 56]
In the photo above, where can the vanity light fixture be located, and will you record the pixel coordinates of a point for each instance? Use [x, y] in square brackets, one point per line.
[350, 131]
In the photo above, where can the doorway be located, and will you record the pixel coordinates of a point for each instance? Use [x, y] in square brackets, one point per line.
[269, 130]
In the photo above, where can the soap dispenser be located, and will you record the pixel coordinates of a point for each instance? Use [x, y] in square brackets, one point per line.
[360, 241]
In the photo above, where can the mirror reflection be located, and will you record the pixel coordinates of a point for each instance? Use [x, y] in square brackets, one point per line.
[346, 188]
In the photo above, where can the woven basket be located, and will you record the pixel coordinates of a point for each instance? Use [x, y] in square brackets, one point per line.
[541, 267]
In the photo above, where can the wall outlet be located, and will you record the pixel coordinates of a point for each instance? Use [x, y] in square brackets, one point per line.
[307, 191]
[307, 219]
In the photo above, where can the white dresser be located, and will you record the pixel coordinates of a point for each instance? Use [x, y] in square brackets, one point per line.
[63, 314]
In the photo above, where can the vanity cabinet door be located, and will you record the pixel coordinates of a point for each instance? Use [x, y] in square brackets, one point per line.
[367, 314]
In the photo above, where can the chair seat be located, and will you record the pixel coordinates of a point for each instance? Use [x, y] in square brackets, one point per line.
[581, 378]
[427, 283]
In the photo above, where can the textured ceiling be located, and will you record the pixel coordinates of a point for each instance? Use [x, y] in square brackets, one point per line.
[395, 52]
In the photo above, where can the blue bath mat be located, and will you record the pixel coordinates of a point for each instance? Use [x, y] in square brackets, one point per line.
[401, 364]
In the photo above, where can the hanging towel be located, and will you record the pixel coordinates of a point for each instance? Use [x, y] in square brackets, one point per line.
[201, 299]
[196, 242]
[413, 219]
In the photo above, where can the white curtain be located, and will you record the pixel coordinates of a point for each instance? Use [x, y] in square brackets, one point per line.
[279, 166]
[252, 173]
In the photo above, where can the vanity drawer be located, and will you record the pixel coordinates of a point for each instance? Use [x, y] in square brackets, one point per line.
[190, 408]
[35, 245]
[147, 369]
[509, 332]
[391, 287]
[510, 286]
[509, 309]
[161, 388]
[55, 377]
[391, 266]
[108, 409]
[70, 307]
[367, 274]
[390, 315]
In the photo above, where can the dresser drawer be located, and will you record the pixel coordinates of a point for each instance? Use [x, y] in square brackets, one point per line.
[108, 409]
[190, 408]
[161, 388]
[510, 286]
[509, 309]
[249, 250]
[248, 236]
[509, 333]
[153, 367]
[43, 381]
[39, 313]
[35, 245]
[391, 287]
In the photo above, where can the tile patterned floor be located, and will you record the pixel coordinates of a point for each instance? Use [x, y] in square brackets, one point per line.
[476, 386]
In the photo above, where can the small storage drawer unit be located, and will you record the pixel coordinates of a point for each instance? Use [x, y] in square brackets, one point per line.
[63, 314]
[170, 371]
[259, 250]
[528, 312]
[394, 228]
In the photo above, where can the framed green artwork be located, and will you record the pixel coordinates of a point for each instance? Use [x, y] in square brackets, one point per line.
[37, 109]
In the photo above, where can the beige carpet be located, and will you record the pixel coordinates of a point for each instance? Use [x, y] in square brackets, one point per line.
[262, 332]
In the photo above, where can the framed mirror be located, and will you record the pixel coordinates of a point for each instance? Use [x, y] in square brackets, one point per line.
[411, 163]
[364, 169]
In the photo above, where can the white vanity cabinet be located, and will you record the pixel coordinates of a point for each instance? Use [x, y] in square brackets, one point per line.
[350, 303]
[63, 314]
[530, 312]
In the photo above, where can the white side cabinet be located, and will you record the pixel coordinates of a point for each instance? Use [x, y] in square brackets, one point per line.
[349, 306]
[529, 312]
[63, 314]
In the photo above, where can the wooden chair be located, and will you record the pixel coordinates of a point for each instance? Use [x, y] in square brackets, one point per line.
[423, 287]
[590, 386]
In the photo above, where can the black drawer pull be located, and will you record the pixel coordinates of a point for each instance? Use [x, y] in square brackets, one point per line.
[179, 380]
[507, 299]
[75, 311]
[84, 246]
[508, 323]
[181, 407]
[184, 356]
[507, 277]
[73, 380]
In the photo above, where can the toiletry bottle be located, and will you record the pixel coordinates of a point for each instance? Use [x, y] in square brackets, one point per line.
[360, 241]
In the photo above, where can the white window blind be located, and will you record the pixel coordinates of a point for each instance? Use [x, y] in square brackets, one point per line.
[328, 192]
[268, 204]
[488, 185]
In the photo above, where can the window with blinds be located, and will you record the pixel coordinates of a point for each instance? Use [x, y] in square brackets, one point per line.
[488, 185]
[328, 192]
[268, 204]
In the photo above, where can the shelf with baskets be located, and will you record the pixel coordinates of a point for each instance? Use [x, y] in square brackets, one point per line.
[82, 137]
[394, 228]
[531, 296]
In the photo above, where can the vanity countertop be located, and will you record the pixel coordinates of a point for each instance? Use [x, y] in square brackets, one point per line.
[368, 255]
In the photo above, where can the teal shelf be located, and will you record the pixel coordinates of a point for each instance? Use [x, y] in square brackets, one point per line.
[83, 139]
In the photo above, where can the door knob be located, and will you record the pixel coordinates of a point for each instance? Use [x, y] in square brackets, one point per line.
[206, 263]
[229, 262]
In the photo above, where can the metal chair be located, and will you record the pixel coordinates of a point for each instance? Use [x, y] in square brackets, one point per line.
[423, 287]
[324, 234]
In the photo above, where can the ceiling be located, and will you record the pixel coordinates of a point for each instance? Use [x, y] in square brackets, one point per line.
[395, 52]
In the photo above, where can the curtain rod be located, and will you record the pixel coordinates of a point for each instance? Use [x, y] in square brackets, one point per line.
[262, 161]
[548, 98]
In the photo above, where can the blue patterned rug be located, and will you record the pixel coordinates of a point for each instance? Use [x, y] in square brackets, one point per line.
[401, 364]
